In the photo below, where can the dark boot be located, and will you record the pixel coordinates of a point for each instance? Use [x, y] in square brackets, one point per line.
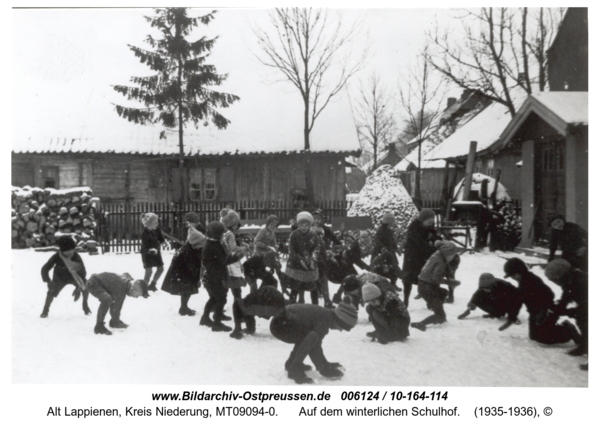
[419, 326]
[297, 374]
[225, 317]
[237, 334]
[578, 351]
[573, 332]
[206, 321]
[583, 366]
[117, 324]
[101, 329]
[186, 311]
[220, 327]
[152, 286]
[330, 371]
[303, 366]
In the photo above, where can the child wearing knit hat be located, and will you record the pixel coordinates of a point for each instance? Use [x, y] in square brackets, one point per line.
[305, 326]
[183, 276]
[301, 272]
[68, 269]
[152, 239]
[496, 297]
[387, 313]
[439, 269]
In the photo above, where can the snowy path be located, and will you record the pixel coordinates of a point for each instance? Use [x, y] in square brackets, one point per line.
[171, 349]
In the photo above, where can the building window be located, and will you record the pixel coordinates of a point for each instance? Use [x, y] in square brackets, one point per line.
[203, 184]
[50, 177]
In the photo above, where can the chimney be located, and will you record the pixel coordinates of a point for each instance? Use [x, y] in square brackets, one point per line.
[451, 102]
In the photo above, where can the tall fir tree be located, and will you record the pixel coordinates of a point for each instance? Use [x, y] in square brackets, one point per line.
[179, 90]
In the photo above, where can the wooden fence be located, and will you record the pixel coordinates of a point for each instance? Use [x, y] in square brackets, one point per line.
[120, 226]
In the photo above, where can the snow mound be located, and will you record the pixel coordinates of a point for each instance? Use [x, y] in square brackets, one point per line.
[384, 192]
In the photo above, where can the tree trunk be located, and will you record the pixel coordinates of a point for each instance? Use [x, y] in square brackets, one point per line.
[417, 198]
[307, 164]
[179, 108]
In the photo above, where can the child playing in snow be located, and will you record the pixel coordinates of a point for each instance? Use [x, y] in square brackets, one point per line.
[384, 238]
[323, 283]
[496, 297]
[305, 326]
[183, 277]
[301, 270]
[539, 300]
[68, 269]
[437, 270]
[111, 289]
[232, 243]
[265, 302]
[214, 276]
[152, 238]
[574, 284]
[387, 313]
[352, 286]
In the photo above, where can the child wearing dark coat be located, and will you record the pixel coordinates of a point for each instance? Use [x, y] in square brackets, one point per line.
[539, 300]
[111, 289]
[572, 239]
[387, 313]
[305, 326]
[214, 276]
[152, 239]
[262, 267]
[496, 297]
[418, 247]
[439, 269]
[574, 285]
[183, 277]
[301, 272]
[68, 269]
[265, 302]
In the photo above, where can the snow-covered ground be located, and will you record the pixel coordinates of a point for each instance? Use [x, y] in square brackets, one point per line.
[162, 347]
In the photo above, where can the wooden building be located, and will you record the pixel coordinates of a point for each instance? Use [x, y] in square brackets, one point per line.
[150, 177]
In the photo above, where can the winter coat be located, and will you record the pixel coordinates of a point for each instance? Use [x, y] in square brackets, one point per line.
[255, 269]
[61, 275]
[329, 237]
[391, 318]
[311, 318]
[535, 294]
[235, 273]
[503, 298]
[151, 239]
[214, 263]
[384, 238]
[417, 250]
[264, 240]
[304, 252]
[183, 275]
[116, 285]
[353, 255]
[436, 270]
[576, 290]
[384, 264]
[571, 238]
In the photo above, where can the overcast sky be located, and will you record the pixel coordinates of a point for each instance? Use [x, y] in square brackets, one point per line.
[65, 60]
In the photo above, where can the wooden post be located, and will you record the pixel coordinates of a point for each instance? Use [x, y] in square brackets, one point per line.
[469, 171]
[497, 178]
[451, 192]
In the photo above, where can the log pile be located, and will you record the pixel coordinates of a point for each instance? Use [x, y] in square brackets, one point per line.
[41, 216]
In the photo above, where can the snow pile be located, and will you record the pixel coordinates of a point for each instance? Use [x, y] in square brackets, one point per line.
[476, 181]
[384, 192]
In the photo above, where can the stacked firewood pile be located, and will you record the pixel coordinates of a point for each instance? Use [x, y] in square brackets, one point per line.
[41, 216]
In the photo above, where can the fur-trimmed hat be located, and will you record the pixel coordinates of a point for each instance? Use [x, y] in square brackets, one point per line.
[425, 214]
[388, 218]
[447, 248]
[304, 217]
[192, 217]
[370, 292]
[486, 280]
[230, 219]
[214, 230]
[514, 266]
[557, 268]
[66, 243]
[149, 219]
[346, 316]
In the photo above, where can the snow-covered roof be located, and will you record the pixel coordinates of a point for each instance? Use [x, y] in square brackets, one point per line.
[559, 109]
[256, 127]
[486, 128]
